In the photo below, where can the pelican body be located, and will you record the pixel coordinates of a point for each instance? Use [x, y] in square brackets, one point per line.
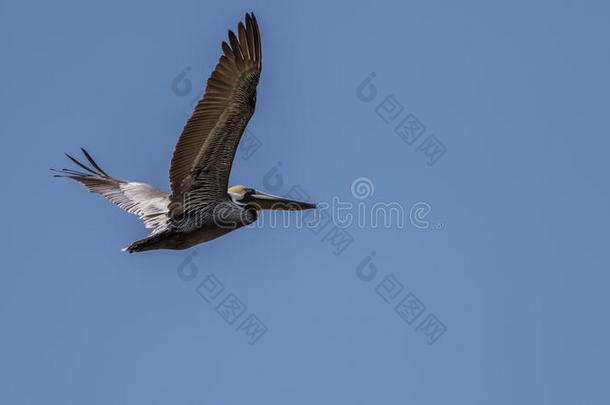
[200, 207]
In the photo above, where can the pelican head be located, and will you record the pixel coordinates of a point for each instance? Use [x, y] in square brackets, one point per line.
[246, 196]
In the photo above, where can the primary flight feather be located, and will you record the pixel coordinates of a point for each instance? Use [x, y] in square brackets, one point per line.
[200, 207]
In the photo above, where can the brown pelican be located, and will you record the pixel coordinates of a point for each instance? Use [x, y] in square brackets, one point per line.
[201, 207]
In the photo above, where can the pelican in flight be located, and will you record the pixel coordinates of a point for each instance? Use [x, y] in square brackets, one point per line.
[200, 207]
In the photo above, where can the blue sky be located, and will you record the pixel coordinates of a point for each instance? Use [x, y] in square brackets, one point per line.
[508, 268]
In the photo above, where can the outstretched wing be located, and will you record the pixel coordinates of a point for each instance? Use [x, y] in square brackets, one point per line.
[202, 160]
[144, 200]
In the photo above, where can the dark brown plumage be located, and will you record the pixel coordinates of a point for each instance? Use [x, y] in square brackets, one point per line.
[204, 153]
[201, 206]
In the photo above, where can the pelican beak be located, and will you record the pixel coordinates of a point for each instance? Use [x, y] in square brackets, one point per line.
[266, 201]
